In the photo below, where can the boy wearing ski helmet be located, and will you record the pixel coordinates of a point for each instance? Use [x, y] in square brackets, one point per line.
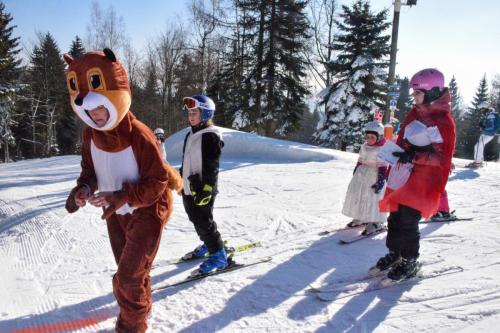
[200, 169]
[489, 126]
[427, 137]
[366, 187]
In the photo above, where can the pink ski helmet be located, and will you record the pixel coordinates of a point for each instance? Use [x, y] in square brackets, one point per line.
[426, 79]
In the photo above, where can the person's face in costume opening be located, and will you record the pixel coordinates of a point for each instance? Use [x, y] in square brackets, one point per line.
[418, 96]
[160, 138]
[371, 139]
[99, 115]
[194, 116]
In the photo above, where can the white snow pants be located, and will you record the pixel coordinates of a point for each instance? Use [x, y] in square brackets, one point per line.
[479, 147]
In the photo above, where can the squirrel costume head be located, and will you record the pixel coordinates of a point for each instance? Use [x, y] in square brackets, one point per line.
[95, 79]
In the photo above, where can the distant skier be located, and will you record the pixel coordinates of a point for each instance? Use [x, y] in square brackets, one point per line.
[416, 182]
[200, 169]
[160, 140]
[489, 125]
[367, 184]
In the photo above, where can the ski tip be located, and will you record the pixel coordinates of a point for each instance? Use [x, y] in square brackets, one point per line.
[447, 220]
[322, 299]
[374, 271]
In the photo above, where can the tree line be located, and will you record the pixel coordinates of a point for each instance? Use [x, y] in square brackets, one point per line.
[260, 60]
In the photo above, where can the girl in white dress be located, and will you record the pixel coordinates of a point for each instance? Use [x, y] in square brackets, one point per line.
[368, 183]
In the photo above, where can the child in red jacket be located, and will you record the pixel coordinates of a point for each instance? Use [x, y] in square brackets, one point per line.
[428, 139]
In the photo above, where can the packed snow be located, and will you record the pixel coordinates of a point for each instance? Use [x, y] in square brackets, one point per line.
[57, 268]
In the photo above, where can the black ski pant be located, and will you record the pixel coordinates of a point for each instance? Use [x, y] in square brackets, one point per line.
[403, 235]
[204, 224]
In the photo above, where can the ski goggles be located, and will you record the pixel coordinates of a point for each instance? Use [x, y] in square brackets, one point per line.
[190, 103]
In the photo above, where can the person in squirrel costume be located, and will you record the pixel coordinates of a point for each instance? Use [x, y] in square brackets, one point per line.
[122, 172]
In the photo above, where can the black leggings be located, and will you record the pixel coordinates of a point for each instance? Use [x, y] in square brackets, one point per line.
[204, 224]
[403, 235]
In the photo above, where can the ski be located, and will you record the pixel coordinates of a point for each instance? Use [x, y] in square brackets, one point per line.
[382, 283]
[359, 237]
[332, 231]
[371, 274]
[230, 251]
[232, 267]
[351, 281]
[448, 220]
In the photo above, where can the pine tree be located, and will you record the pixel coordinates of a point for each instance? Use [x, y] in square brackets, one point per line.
[469, 126]
[226, 94]
[405, 100]
[9, 74]
[495, 92]
[69, 127]
[456, 100]
[231, 87]
[274, 40]
[358, 82]
[48, 83]
[457, 114]
[286, 68]
[9, 64]
[146, 102]
[77, 48]
[225, 88]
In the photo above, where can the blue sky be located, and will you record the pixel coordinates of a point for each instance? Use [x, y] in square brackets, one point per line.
[460, 38]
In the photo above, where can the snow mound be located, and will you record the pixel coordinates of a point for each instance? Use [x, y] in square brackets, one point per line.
[247, 147]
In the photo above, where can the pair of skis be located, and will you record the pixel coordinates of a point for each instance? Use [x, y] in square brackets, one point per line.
[352, 239]
[232, 265]
[230, 251]
[380, 281]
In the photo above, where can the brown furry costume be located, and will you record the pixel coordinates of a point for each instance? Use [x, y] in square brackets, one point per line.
[122, 158]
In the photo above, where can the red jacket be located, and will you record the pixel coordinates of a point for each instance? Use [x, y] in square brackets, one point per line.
[430, 169]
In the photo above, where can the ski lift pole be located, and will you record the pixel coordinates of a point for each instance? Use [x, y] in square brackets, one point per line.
[388, 130]
[392, 97]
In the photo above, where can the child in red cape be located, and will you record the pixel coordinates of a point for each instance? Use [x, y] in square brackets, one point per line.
[427, 154]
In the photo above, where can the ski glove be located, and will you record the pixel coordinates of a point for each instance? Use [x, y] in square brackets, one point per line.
[71, 205]
[404, 156]
[204, 197]
[202, 194]
[379, 185]
[115, 199]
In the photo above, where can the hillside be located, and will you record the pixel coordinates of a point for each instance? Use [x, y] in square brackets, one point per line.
[57, 268]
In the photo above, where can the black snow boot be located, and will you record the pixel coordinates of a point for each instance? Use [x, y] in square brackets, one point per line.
[404, 269]
[385, 263]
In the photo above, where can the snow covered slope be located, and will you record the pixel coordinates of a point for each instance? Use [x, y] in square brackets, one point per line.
[244, 147]
[56, 268]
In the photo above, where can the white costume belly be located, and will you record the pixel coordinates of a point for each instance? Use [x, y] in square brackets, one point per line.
[114, 169]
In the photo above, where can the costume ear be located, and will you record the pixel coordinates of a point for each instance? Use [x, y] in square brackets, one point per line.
[109, 54]
[67, 58]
